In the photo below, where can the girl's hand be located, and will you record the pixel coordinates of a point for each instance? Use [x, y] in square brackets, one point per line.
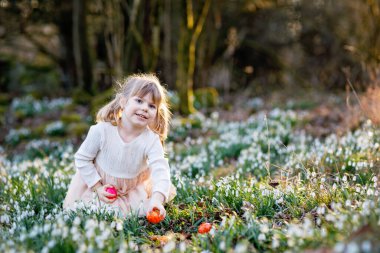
[105, 196]
[156, 202]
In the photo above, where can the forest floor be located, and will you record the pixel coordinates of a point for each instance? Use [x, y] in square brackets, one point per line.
[271, 174]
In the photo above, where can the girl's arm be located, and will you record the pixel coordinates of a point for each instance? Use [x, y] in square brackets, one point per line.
[84, 157]
[160, 171]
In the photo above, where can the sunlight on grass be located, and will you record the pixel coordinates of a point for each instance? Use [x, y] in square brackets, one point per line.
[316, 193]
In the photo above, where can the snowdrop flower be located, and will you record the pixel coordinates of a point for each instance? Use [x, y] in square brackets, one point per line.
[223, 223]
[261, 237]
[240, 248]
[169, 247]
[264, 228]
[119, 226]
[321, 210]
[366, 246]
[76, 221]
[339, 247]
[352, 247]
[132, 245]
[280, 200]
[323, 232]
[275, 243]
[83, 247]
[182, 247]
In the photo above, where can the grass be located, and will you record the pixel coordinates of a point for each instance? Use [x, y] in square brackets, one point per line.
[264, 185]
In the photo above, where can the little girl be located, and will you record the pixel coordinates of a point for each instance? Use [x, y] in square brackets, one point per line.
[124, 149]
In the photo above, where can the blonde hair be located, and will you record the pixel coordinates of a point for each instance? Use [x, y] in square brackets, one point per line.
[139, 85]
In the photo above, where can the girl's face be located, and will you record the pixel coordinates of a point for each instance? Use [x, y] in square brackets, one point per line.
[139, 112]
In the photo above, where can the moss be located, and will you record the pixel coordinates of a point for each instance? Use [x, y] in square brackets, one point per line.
[39, 130]
[68, 118]
[205, 98]
[81, 97]
[77, 129]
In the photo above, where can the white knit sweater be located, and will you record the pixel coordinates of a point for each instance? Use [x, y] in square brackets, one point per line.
[122, 160]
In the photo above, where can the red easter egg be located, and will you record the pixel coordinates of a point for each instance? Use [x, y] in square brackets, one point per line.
[154, 216]
[204, 228]
[113, 191]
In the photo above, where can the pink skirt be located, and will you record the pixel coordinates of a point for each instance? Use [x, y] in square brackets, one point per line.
[133, 194]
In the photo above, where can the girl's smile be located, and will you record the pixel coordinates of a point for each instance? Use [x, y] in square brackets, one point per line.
[139, 112]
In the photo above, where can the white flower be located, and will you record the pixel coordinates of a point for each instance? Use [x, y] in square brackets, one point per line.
[170, 246]
[51, 244]
[323, 232]
[275, 243]
[223, 223]
[222, 245]
[76, 221]
[119, 226]
[339, 247]
[280, 200]
[352, 247]
[366, 246]
[264, 228]
[240, 248]
[83, 247]
[182, 247]
[261, 237]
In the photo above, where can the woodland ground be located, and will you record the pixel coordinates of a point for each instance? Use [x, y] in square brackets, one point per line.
[277, 174]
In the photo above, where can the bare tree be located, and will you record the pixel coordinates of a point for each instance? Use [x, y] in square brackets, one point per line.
[190, 30]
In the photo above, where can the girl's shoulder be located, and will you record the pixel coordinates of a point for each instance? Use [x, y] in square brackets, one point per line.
[151, 138]
[102, 128]
[104, 125]
[151, 134]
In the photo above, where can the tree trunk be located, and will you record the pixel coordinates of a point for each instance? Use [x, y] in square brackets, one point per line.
[184, 88]
[186, 56]
[167, 45]
[114, 34]
[81, 46]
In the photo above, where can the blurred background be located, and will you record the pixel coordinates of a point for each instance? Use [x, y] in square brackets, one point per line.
[209, 53]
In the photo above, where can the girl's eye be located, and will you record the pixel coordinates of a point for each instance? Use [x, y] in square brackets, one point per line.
[138, 100]
[152, 106]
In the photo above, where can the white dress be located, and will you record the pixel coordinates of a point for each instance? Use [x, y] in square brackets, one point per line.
[136, 169]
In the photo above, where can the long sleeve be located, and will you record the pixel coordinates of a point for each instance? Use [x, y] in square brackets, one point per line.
[84, 157]
[159, 168]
